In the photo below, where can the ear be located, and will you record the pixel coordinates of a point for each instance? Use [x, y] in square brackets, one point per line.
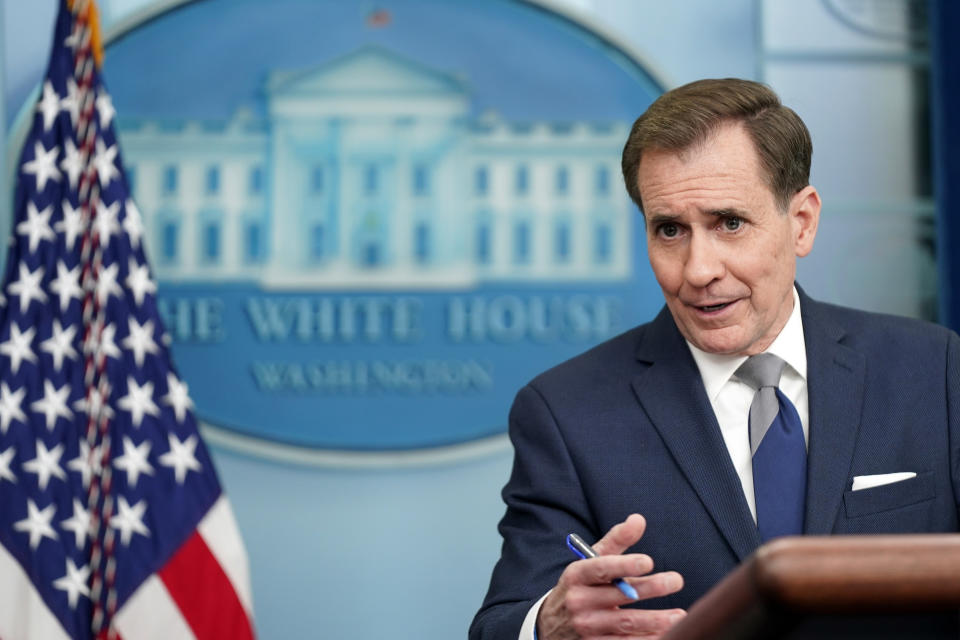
[804, 215]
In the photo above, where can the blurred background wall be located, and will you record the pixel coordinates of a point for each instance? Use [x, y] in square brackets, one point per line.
[402, 547]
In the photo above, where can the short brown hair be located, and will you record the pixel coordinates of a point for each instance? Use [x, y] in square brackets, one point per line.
[687, 115]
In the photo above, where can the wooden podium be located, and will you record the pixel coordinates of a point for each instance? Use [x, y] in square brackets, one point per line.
[835, 587]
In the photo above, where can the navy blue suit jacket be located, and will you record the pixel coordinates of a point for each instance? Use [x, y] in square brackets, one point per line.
[627, 427]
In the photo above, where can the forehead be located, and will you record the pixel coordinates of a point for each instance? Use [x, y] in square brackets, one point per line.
[722, 170]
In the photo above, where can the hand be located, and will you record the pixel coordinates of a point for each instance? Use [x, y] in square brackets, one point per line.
[585, 604]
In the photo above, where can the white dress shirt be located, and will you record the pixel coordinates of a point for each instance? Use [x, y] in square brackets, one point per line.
[730, 399]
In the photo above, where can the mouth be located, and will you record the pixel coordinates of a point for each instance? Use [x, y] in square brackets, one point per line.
[713, 308]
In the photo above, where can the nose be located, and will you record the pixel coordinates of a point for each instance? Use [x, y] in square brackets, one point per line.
[704, 262]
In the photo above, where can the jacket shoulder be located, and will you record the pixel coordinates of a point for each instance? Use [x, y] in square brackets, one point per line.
[882, 329]
[610, 360]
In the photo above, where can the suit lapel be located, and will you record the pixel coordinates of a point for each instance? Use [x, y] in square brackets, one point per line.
[835, 387]
[672, 394]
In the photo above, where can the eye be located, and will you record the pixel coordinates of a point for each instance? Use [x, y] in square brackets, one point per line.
[732, 223]
[668, 230]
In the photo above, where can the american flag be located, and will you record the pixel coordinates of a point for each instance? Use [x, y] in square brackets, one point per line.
[112, 520]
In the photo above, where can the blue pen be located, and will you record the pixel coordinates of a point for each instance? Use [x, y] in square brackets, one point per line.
[582, 549]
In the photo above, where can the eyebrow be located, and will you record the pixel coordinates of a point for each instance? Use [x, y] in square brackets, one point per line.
[728, 212]
[663, 218]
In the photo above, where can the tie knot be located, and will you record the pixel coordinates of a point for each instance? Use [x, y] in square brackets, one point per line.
[761, 370]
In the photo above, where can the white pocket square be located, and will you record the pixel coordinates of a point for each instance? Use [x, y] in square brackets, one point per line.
[868, 482]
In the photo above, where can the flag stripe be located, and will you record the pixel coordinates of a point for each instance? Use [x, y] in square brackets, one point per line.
[23, 613]
[222, 536]
[151, 614]
[204, 593]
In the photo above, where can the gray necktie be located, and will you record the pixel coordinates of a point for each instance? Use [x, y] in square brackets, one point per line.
[762, 372]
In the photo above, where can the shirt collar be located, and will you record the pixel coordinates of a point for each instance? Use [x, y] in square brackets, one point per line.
[717, 369]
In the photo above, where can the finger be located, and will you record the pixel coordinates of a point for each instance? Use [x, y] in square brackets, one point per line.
[607, 596]
[622, 536]
[605, 569]
[625, 622]
[657, 584]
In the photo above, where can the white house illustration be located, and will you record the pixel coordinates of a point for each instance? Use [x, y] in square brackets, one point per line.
[370, 171]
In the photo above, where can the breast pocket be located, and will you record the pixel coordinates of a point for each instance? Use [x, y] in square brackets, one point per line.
[890, 496]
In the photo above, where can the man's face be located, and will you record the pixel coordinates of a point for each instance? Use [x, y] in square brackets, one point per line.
[722, 250]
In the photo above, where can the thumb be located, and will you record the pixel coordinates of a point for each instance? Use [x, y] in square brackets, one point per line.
[622, 536]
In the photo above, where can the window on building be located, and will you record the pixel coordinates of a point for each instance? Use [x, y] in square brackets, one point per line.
[421, 180]
[211, 242]
[482, 247]
[371, 254]
[212, 181]
[481, 181]
[562, 181]
[318, 238]
[602, 180]
[421, 243]
[256, 180]
[317, 179]
[371, 179]
[521, 180]
[169, 237]
[253, 242]
[521, 243]
[602, 244]
[561, 240]
[170, 180]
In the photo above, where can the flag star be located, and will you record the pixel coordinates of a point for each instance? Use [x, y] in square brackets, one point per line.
[103, 159]
[6, 457]
[181, 457]
[78, 523]
[72, 163]
[49, 105]
[177, 397]
[72, 40]
[43, 165]
[106, 223]
[107, 284]
[37, 226]
[94, 407]
[134, 461]
[46, 464]
[129, 520]
[27, 287]
[37, 523]
[105, 108]
[138, 401]
[53, 404]
[71, 225]
[140, 340]
[106, 345]
[74, 582]
[11, 403]
[66, 285]
[60, 344]
[133, 223]
[71, 102]
[17, 347]
[139, 281]
[87, 463]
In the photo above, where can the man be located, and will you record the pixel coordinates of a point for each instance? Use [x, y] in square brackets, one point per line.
[670, 420]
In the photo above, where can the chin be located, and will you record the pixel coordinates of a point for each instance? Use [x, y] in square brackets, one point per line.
[721, 345]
